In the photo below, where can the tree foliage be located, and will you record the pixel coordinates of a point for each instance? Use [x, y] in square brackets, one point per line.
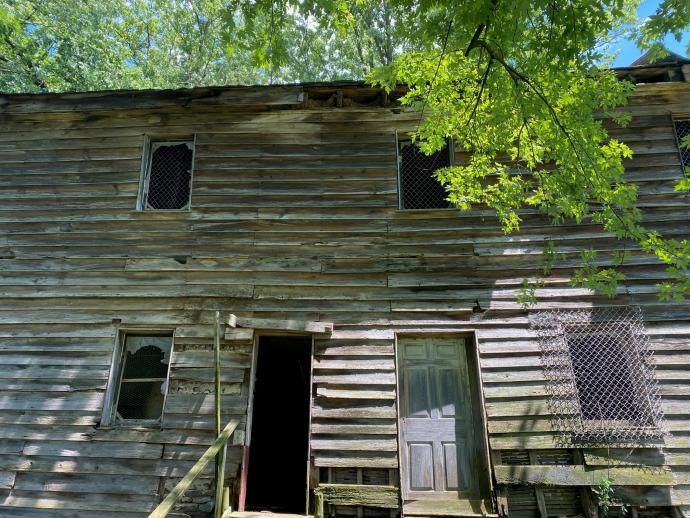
[520, 85]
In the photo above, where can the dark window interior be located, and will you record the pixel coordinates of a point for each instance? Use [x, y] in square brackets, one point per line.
[170, 175]
[603, 378]
[277, 479]
[144, 374]
[419, 189]
[682, 128]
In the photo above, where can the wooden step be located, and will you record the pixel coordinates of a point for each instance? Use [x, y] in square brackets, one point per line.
[261, 514]
[459, 508]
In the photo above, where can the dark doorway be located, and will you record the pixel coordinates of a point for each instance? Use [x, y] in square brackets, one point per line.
[277, 479]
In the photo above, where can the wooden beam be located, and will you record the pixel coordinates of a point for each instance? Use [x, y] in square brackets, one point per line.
[583, 476]
[386, 497]
[220, 457]
[303, 326]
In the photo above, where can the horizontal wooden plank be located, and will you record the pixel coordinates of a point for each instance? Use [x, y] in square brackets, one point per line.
[583, 476]
[364, 444]
[386, 497]
[79, 501]
[121, 450]
[357, 460]
[75, 483]
[285, 325]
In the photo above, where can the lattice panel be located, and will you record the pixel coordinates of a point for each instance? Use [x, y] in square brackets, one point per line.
[419, 188]
[682, 128]
[600, 374]
[170, 175]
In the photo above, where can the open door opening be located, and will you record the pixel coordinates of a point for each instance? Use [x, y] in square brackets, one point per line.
[277, 477]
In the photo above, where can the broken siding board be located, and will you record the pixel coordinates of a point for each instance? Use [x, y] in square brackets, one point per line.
[7, 480]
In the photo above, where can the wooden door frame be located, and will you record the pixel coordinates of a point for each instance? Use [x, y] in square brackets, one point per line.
[470, 337]
[258, 334]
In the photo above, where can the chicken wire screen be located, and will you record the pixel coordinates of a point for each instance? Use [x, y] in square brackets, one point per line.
[682, 128]
[600, 374]
[419, 189]
[168, 182]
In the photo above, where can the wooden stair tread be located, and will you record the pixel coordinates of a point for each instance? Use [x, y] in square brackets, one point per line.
[455, 508]
[261, 514]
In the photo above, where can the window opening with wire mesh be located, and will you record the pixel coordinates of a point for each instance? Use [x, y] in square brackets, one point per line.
[418, 187]
[143, 379]
[682, 128]
[168, 178]
[600, 374]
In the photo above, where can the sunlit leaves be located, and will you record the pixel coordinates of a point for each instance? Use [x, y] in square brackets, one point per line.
[523, 88]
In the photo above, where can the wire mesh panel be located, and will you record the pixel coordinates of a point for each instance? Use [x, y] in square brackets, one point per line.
[600, 374]
[682, 128]
[419, 189]
[169, 176]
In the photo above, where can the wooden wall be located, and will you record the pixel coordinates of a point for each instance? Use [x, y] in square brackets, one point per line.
[294, 215]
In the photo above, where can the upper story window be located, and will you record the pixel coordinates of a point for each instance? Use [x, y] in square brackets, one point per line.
[417, 186]
[682, 128]
[167, 176]
[600, 372]
[139, 379]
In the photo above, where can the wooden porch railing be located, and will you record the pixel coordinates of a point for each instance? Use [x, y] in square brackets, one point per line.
[217, 449]
[179, 490]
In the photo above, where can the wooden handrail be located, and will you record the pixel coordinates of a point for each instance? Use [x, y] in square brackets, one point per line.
[179, 490]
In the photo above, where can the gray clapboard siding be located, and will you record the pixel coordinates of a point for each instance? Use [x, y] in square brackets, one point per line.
[294, 217]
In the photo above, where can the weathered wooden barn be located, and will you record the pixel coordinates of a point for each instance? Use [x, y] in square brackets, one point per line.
[372, 352]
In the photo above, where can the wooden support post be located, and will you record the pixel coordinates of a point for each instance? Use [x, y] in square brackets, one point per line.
[220, 458]
[538, 491]
[243, 479]
[589, 506]
[318, 505]
[226, 499]
[500, 491]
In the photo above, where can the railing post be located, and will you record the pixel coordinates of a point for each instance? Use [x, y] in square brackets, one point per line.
[318, 504]
[183, 485]
[220, 458]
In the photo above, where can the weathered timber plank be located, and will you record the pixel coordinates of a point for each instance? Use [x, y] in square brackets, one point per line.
[582, 476]
[356, 460]
[76, 483]
[170, 468]
[365, 444]
[285, 325]
[109, 101]
[124, 450]
[203, 404]
[79, 501]
[204, 359]
[386, 497]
